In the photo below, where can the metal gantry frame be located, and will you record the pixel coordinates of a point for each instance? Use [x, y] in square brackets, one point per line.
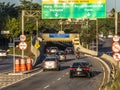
[29, 13]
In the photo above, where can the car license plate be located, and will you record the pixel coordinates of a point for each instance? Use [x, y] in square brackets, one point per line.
[78, 72]
[79, 69]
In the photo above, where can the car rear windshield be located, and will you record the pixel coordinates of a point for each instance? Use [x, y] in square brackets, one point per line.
[60, 53]
[50, 59]
[81, 64]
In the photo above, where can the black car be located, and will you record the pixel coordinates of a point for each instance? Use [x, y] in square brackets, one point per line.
[80, 68]
[69, 50]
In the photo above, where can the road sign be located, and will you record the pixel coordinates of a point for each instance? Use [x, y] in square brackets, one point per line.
[116, 38]
[116, 56]
[57, 9]
[22, 45]
[115, 47]
[59, 35]
[37, 45]
[22, 37]
[5, 32]
[11, 44]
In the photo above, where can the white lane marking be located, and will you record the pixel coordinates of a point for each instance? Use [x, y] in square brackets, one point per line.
[58, 78]
[46, 86]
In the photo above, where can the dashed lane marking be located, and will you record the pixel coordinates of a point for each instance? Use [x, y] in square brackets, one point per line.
[46, 86]
[58, 78]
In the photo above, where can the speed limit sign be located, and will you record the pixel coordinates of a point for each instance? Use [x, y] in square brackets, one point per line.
[22, 45]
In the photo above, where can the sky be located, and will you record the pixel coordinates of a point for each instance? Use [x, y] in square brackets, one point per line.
[109, 5]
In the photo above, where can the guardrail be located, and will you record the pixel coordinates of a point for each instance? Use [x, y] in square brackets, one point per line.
[112, 63]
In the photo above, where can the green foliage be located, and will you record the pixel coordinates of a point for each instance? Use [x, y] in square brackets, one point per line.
[7, 10]
[13, 26]
[115, 84]
[11, 20]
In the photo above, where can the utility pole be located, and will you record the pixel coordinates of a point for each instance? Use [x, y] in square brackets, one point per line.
[97, 35]
[116, 17]
[23, 14]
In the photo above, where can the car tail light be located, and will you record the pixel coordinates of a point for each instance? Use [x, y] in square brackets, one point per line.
[65, 56]
[56, 62]
[86, 68]
[72, 68]
[43, 62]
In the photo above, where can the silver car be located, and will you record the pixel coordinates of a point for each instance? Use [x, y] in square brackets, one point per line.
[3, 53]
[51, 63]
[61, 55]
[53, 50]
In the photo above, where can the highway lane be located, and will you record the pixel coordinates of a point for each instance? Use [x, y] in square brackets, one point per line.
[59, 80]
[6, 64]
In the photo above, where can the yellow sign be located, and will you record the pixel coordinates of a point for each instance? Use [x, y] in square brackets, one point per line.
[73, 1]
[37, 45]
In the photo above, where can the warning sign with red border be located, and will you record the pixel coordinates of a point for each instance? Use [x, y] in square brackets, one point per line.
[116, 56]
[23, 45]
[22, 37]
[115, 47]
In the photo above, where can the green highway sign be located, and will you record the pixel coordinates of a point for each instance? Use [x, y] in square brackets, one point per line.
[91, 9]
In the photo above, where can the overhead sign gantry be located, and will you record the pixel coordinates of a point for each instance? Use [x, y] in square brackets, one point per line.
[63, 9]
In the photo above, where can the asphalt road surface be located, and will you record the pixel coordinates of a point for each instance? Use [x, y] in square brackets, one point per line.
[59, 80]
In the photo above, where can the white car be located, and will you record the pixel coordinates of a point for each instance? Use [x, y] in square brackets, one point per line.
[3, 53]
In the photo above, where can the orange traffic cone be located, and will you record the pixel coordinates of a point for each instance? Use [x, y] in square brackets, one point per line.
[29, 64]
[17, 65]
[23, 66]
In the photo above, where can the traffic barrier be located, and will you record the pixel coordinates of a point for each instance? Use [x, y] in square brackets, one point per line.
[17, 65]
[22, 65]
[29, 64]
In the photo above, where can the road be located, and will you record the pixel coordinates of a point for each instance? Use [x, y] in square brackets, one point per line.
[59, 80]
[6, 64]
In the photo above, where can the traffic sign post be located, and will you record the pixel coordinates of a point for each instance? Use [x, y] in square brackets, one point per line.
[37, 45]
[22, 37]
[116, 38]
[116, 48]
[22, 45]
[116, 56]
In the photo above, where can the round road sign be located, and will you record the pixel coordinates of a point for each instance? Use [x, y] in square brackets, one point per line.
[115, 47]
[22, 45]
[116, 56]
[22, 37]
[116, 38]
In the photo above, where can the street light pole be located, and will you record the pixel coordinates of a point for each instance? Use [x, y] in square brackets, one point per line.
[97, 35]
[13, 55]
[23, 29]
[116, 17]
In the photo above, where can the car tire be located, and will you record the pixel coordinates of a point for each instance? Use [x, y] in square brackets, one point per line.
[58, 69]
[89, 75]
[44, 70]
